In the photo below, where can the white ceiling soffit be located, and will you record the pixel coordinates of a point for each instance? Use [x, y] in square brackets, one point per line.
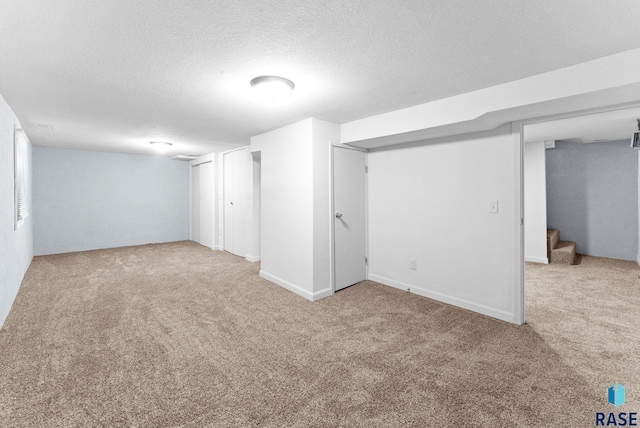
[603, 82]
[114, 75]
[614, 125]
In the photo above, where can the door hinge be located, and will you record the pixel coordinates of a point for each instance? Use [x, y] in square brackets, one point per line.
[521, 222]
[366, 261]
[366, 168]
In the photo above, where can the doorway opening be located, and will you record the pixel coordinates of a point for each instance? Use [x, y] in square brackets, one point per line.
[581, 187]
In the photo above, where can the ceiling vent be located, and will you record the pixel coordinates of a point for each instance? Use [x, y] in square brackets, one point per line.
[41, 126]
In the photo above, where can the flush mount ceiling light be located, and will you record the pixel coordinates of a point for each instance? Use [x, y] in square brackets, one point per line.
[160, 146]
[272, 88]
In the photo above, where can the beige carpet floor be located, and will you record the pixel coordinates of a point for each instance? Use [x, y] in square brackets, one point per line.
[179, 335]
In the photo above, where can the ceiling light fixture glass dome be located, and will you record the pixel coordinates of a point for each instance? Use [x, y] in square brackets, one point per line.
[160, 146]
[272, 88]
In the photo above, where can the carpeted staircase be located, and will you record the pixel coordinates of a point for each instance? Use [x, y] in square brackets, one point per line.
[560, 252]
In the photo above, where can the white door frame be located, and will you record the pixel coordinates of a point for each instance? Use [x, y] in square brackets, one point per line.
[517, 131]
[332, 213]
[193, 210]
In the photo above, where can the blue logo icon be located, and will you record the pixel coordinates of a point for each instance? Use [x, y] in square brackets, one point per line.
[616, 395]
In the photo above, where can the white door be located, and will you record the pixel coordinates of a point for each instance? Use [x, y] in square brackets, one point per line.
[349, 217]
[206, 203]
[235, 165]
[195, 203]
[229, 200]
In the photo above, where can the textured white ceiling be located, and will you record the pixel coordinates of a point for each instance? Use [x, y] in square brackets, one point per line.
[113, 75]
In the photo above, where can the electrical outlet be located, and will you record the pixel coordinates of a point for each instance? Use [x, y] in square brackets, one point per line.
[413, 264]
[493, 206]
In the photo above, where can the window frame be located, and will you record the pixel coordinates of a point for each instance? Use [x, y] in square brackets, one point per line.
[20, 174]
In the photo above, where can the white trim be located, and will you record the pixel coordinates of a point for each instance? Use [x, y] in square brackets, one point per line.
[542, 260]
[444, 298]
[518, 224]
[252, 259]
[216, 248]
[347, 146]
[326, 292]
[366, 213]
[286, 284]
[195, 163]
[332, 231]
[294, 288]
[638, 259]
[191, 204]
[236, 149]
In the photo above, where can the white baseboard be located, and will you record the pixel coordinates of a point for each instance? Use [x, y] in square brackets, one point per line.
[252, 259]
[542, 260]
[298, 290]
[217, 248]
[638, 259]
[317, 295]
[444, 298]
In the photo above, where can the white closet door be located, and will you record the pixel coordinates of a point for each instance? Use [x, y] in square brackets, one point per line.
[236, 198]
[195, 203]
[229, 200]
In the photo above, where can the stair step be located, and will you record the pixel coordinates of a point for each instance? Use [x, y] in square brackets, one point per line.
[553, 237]
[564, 253]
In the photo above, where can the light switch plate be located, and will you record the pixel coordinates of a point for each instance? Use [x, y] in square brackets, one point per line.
[493, 206]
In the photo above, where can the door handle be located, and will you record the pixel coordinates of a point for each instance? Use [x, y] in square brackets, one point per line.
[338, 215]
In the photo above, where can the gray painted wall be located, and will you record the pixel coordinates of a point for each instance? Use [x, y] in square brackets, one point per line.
[85, 200]
[16, 246]
[592, 197]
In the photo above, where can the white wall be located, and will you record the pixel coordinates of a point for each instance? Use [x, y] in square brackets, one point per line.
[535, 203]
[295, 209]
[85, 200]
[16, 246]
[207, 204]
[287, 206]
[324, 133]
[429, 201]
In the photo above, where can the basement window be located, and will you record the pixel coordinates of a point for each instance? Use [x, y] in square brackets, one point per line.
[20, 151]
